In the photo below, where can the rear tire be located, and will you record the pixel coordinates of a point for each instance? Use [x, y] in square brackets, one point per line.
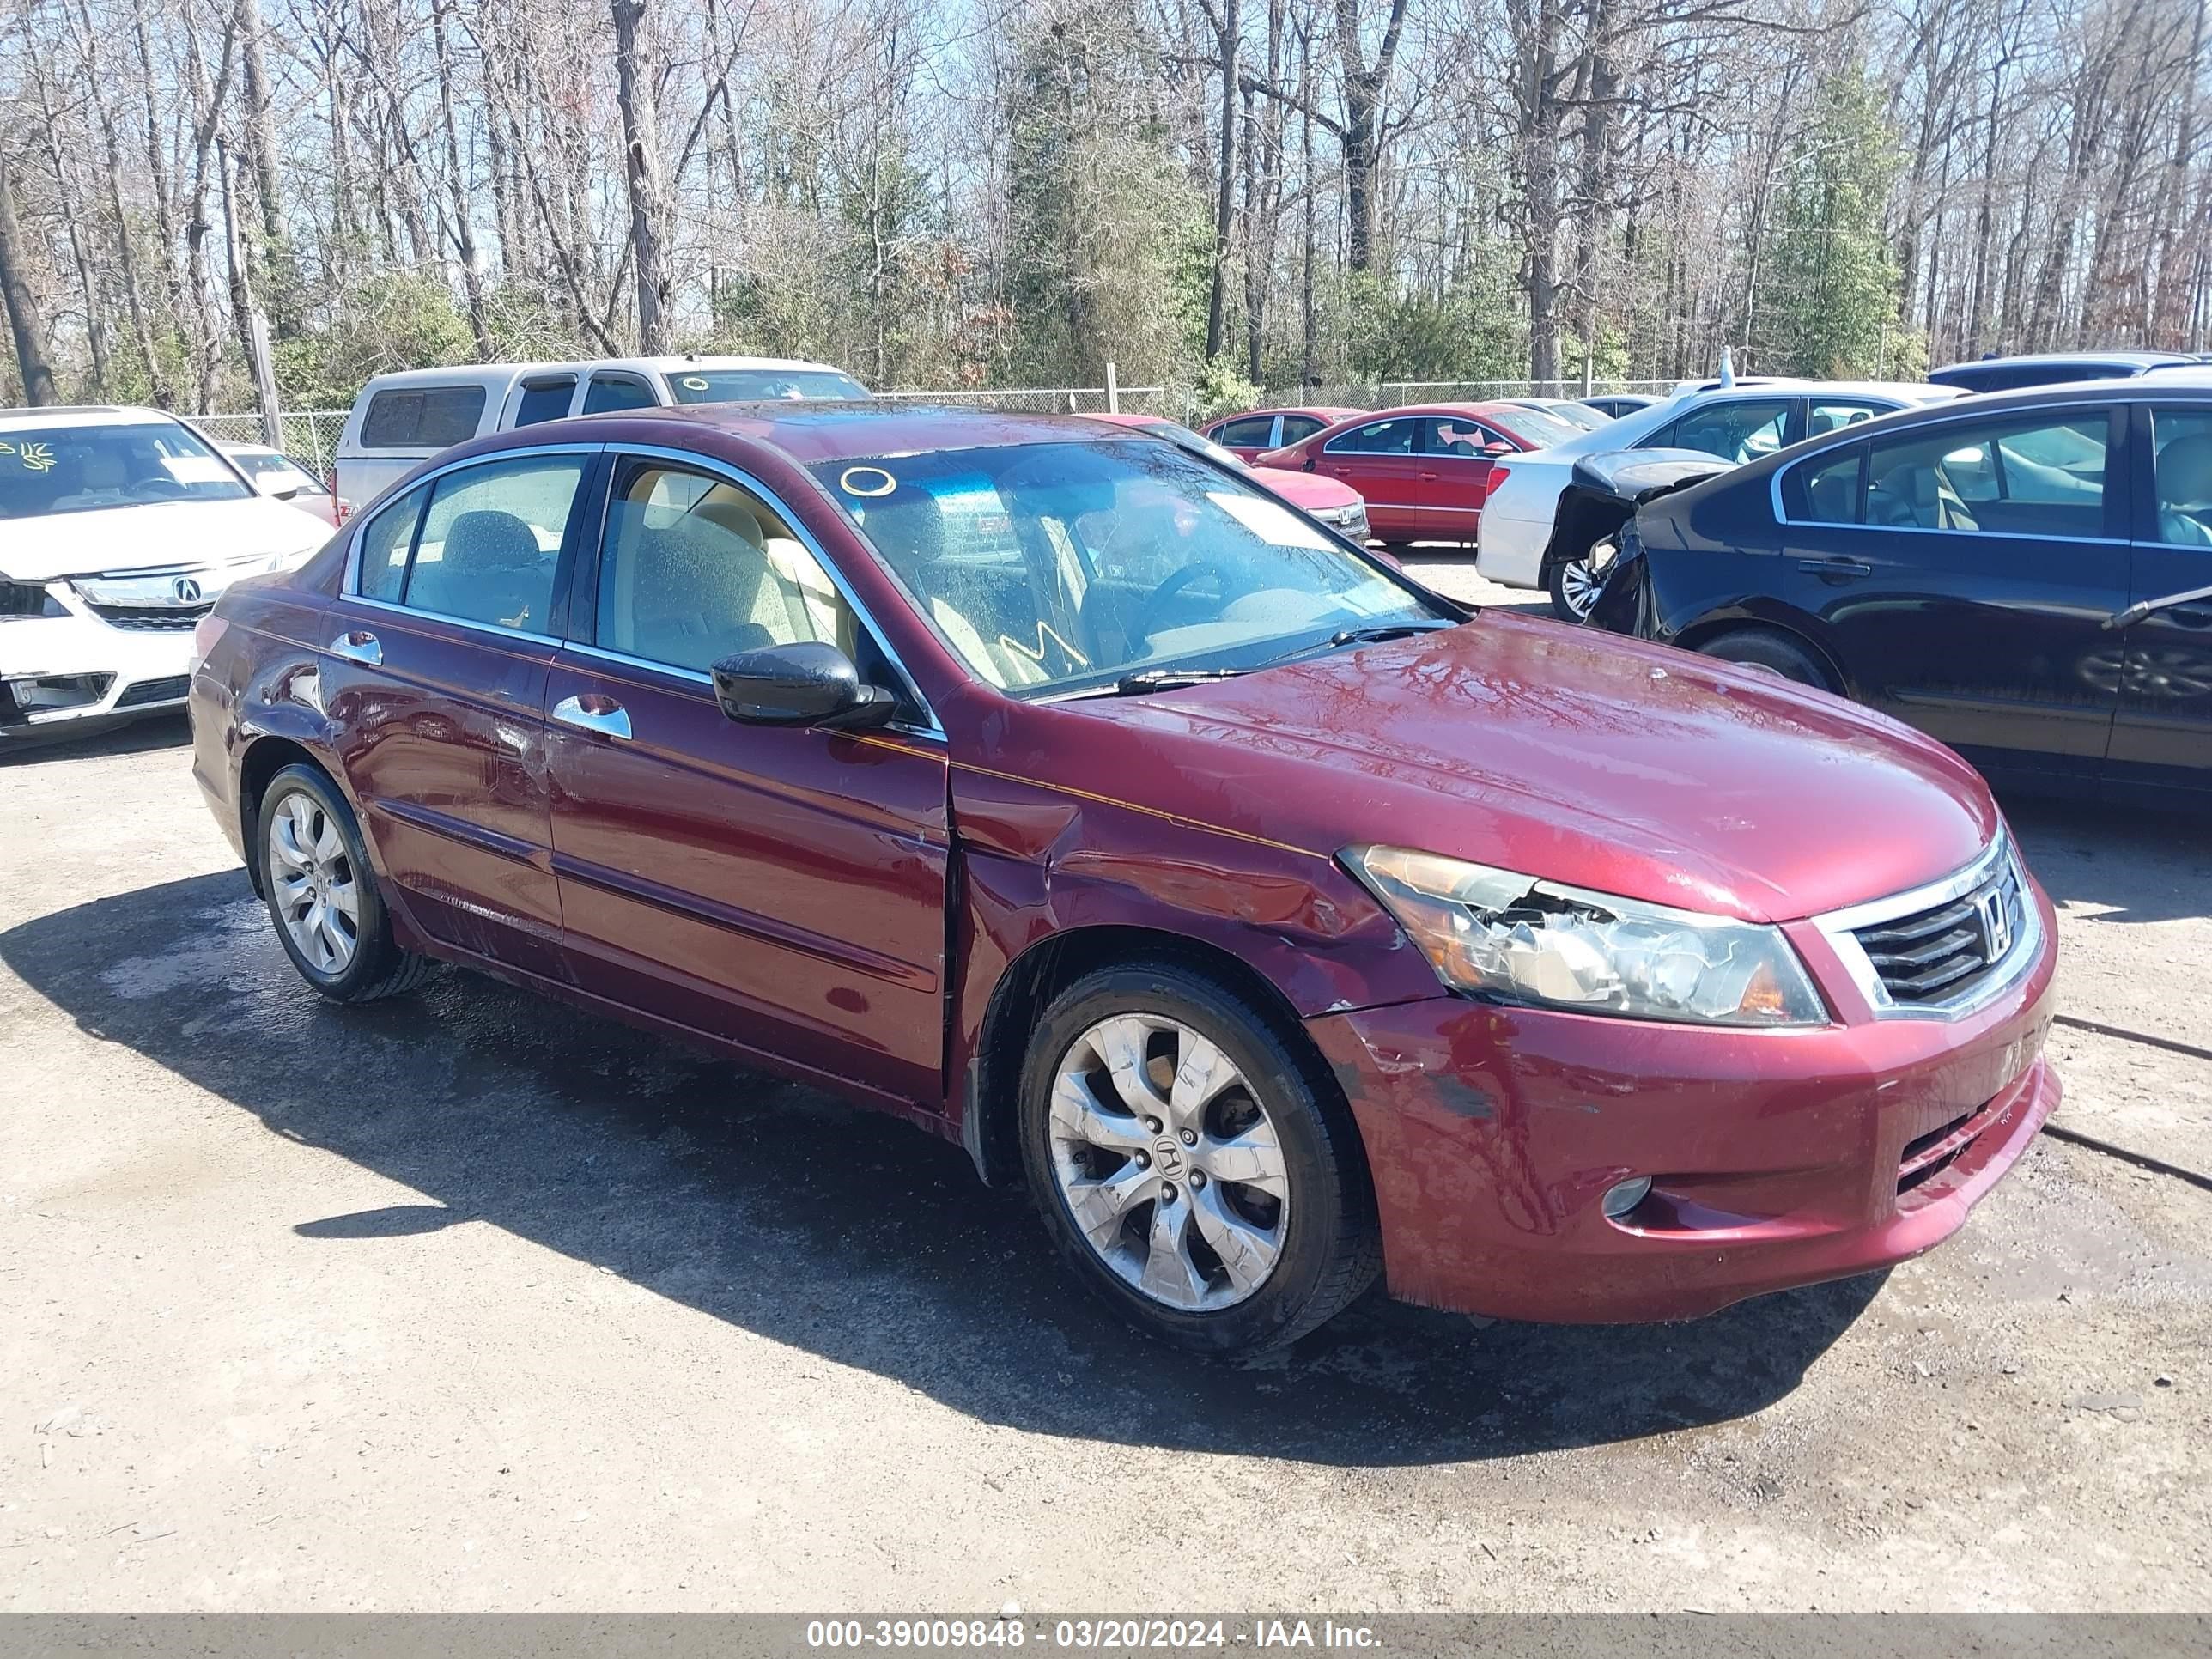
[1572, 585]
[1762, 647]
[322, 894]
[1195, 1167]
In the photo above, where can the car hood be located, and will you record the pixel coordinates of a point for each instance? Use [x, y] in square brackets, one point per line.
[1586, 760]
[159, 536]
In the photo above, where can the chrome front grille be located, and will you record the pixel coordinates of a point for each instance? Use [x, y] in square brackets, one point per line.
[1943, 951]
[141, 619]
[1947, 949]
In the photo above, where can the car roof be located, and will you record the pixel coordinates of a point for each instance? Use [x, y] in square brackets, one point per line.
[823, 429]
[2058, 359]
[503, 374]
[1332, 412]
[85, 415]
[2189, 383]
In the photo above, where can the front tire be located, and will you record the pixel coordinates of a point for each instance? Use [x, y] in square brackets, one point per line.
[322, 893]
[1194, 1165]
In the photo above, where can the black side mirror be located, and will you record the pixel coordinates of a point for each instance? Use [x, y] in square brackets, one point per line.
[807, 683]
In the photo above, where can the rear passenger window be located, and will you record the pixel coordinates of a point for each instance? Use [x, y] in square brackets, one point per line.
[544, 400]
[1377, 438]
[1251, 433]
[384, 541]
[1297, 428]
[422, 418]
[492, 539]
[1826, 491]
[609, 393]
[2036, 476]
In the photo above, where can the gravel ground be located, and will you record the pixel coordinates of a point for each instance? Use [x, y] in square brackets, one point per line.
[464, 1302]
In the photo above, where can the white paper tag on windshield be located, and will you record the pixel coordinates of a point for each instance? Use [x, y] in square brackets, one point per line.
[195, 469]
[1271, 521]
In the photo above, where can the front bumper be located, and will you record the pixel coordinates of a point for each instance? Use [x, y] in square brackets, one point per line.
[1777, 1158]
[76, 669]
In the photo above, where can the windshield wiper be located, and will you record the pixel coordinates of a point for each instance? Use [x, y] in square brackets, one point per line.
[1167, 679]
[1373, 634]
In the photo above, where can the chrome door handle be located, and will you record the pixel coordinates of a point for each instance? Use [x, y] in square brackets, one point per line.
[605, 716]
[358, 646]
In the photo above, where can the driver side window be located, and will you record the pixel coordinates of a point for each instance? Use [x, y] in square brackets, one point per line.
[2181, 439]
[694, 569]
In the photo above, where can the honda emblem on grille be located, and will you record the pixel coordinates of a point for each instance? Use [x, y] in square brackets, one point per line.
[185, 590]
[1995, 916]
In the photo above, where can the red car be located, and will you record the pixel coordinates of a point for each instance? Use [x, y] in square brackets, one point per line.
[1276, 922]
[1251, 435]
[1425, 469]
[1339, 506]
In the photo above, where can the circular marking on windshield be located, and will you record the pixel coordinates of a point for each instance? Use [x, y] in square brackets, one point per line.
[693, 383]
[866, 482]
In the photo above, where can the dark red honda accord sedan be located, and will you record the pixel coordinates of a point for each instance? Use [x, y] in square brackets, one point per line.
[1276, 920]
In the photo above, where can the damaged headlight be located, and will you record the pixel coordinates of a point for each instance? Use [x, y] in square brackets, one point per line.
[1513, 936]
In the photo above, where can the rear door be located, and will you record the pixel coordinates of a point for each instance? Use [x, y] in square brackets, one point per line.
[782, 890]
[2162, 733]
[400, 427]
[1964, 568]
[435, 672]
[1381, 460]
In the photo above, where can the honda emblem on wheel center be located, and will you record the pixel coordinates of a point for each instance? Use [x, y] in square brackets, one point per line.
[1167, 1156]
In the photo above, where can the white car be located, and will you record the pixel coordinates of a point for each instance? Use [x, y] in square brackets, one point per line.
[402, 419]
[1520, 540]
[119, 528]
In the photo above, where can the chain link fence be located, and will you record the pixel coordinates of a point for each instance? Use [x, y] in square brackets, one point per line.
[310, 436]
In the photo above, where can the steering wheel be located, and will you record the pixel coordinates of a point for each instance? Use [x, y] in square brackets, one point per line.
[162, 488]
[1147, 618]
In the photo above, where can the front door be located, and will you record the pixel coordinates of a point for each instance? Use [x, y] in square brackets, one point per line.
[1456, 479]
[434, 668]
[2162, 734]
[1966, 584]
[781, 890]
[1381, 461]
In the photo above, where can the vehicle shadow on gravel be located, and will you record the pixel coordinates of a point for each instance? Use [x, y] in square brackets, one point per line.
[2130, 864]
[837, 1231]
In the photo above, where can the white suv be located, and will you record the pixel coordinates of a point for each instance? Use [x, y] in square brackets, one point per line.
[1520, 539]
[118, 529]
[402, 419]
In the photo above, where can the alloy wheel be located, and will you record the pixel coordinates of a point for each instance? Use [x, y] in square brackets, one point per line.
[311, 875]
[1578, 586]
[1169, 1163]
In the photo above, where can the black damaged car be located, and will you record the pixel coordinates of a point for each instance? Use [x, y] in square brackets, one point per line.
[2026, 576]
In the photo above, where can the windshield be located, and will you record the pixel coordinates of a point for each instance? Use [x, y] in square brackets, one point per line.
[1054, 568]
[272, 472]
[81, 469]
[749, 386]
[1533, 426]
